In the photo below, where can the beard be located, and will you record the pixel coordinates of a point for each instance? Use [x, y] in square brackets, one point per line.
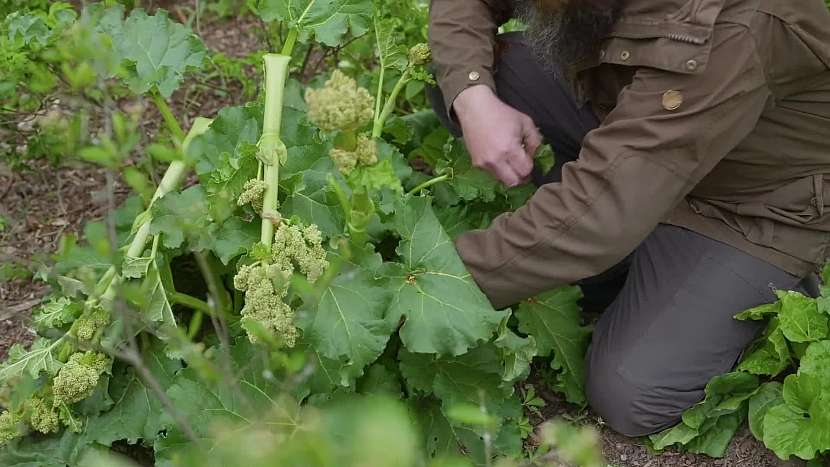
[563, 32]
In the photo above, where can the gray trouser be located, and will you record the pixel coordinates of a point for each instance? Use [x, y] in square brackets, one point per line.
[667, 325]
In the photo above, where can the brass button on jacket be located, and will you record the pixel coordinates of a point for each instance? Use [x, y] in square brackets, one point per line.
[672, 100]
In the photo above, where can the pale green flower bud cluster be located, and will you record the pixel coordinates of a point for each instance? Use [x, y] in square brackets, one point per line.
[340, 104]
[9, 427]
[43, 417]
[300, 249]
[365, 154]
[78, 377]
[91, 322]
[420, 54]
[265, 284]
[253, 193]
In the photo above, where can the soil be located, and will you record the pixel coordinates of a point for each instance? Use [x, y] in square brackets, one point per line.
[621, 451]
[44, 203]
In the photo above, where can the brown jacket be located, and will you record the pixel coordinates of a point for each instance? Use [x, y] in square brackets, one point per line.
[715, 117]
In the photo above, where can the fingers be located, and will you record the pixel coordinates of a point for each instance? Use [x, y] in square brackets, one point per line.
[510, 166]
[521, 163]
[497, 164]
[531, 136]
[506, 174]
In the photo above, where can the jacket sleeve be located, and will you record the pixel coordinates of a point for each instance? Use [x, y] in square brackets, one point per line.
[462, 37]
[632, 171]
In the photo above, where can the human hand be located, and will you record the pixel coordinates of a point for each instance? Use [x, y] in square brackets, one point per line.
[499, 138]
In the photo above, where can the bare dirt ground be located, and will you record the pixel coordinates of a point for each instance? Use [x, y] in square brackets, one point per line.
[45, 203]
[620, 451]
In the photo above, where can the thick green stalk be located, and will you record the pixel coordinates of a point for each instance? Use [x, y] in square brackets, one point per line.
[173, 176]
[427, 184]
[379, 95]
[290, 41]
[169, 118]
[191, 302]
[271, 149]
[214, 282]
[169, 182]
[389, 106]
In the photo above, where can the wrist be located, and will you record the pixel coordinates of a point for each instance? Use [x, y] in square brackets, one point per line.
[469, 97]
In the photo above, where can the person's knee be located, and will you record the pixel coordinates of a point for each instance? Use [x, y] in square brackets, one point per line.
[627, 407]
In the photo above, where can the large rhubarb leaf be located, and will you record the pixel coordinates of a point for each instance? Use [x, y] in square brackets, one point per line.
[444, 311]
[554, 320]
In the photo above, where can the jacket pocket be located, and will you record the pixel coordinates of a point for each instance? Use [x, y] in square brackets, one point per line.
[798, 203]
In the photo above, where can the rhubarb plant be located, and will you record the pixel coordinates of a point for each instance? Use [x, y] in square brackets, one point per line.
[306, 263]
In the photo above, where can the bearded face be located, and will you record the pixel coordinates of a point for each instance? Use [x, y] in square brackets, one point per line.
[562, 32]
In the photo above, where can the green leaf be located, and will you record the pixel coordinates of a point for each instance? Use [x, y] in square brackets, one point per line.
[469, 414]
[157, 308]
[760, 312]
[56, 313]
[28, 28]
[444, 439]
[135, 268]
[790, 430]
[305, 181]
[544, 158]
[770, 395]
[554, 320]
[348, 324]
[376, 177]
[444, 311]
[160, 51]
[391, 53]
[227, 181]
[816, 361]
[138, 413]
[800, 425]
[678, 434]
[233, 238]
[57, 450]
[714, 441]
[801, 321]
[39, 358]
[708, 426]
[473, 378]
[252, 399]
[233, 129]
[381, 379]
[470, 379]
[327, 21]
[769, 355]
[516, 354]
[180, 216]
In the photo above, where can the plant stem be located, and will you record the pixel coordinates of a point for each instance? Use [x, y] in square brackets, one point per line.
[389, 106]
[290, 41]
[195, 324]
[427, 184]
[172, 178]
[270, 145]
[379, 96]
[169, 119]
[214, 283]
[190, 301]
